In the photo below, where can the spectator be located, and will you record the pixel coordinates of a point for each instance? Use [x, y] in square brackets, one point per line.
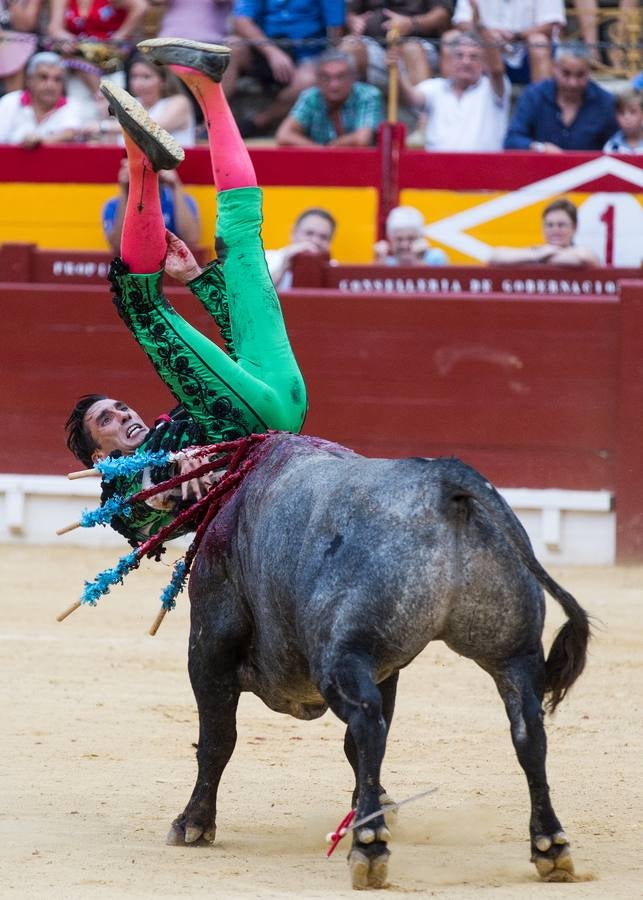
[560, 219]
[629, 115]
[210, 20]
[180, 212]
[415, 21]
[303, 26]
[102, 20]
[406, 243]
[586, 12]
[338, 112]
[566, 112]
[41, 114]
[469, 110]
[312, 232]
[524, 29]
[160, 92]
[18, 22]
[85, 29]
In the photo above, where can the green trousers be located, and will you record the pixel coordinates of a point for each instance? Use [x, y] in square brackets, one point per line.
[252, 386]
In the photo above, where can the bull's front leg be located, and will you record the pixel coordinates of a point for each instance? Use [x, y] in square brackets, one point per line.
[350, 690]
[215, 686]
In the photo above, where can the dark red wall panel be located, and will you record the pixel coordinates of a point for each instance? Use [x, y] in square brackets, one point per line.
[524, 390]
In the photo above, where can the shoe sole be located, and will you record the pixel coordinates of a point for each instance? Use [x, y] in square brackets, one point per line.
[156, 143]
[210, 59]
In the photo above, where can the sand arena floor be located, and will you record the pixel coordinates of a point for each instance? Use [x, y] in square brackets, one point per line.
[98, 722]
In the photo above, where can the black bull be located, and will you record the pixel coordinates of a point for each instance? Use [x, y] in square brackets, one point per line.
[326, 574]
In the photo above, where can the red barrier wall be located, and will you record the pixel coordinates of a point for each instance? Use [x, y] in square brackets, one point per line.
[540, 393]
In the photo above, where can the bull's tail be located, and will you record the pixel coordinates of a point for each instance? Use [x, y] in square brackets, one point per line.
[568, 652]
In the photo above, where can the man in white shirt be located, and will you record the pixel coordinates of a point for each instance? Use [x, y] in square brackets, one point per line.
[41, 114]
[312, 232]
[524, 29]
[469, 110]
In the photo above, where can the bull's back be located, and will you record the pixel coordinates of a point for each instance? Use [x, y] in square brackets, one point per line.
[340, 550]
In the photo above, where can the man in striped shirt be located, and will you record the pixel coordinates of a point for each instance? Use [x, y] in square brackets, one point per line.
[338, 112]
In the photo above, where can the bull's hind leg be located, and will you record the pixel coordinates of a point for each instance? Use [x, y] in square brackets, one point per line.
[388, 689]
[521, 685]
[350, 691]
[212, 666]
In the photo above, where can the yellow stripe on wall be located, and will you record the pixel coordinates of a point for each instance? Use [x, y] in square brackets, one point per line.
[68, 217]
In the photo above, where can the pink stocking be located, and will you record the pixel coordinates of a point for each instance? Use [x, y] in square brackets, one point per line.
[143, 245]
[230, 160]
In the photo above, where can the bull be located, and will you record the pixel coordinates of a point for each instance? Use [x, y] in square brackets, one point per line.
[328, 572]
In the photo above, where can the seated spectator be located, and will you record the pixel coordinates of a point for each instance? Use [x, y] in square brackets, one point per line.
[280, 42]
[180, 212]
[18, 40]
[629, 115]
[560, 219]
[161, 93]
[566, 112]
[369, 25]
[469, 110]
[210, 20]
[406, 243]
[312, 232]
[338, 112]
[99, 129]
[523, 29]
[41, 114]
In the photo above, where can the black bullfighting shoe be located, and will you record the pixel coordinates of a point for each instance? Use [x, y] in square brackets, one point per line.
[156, 143]
[210, 59]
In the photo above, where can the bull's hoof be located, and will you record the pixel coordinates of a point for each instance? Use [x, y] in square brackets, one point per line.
[390, 811]
[368, 871]
[182, 833]
[552, 858]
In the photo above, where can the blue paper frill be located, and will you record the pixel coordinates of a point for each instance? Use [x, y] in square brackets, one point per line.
[111, 468]
[176, 585]
[95, 589]
[115, 506]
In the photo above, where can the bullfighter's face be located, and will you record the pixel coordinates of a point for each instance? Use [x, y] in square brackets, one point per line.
[112, 425]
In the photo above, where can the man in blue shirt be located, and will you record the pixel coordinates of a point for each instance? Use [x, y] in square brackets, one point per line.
[338, 112]
[180, 212]
[280, 41]
[566, 112]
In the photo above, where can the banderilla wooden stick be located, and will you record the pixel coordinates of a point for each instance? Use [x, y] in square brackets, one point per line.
[393, 39]
[156, 624]
[84, 473]
[67, 528]
[67, 612]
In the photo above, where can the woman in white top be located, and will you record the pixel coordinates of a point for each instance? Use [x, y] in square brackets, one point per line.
[560, 219]
[160, 92]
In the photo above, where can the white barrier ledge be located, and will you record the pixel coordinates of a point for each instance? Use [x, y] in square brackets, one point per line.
[576, 527]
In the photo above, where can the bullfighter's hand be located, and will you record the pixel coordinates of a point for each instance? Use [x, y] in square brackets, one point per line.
[180, 263]
[196, 488]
